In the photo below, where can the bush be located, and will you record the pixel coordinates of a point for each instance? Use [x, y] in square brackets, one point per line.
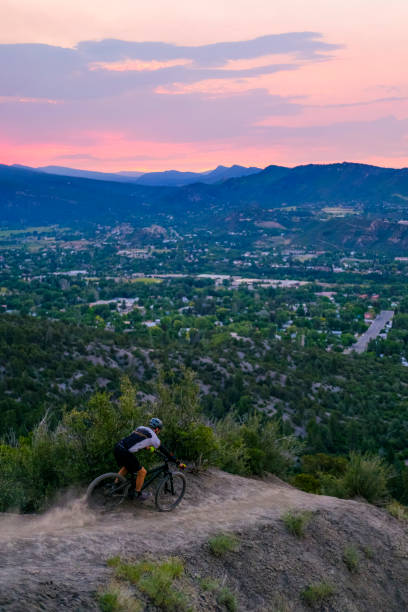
[296, 522]
[233, 454]
[223, 594]
[209, 584]
[366, 476]
[268, 450]
[226, 598]
[185, 432]
[118, 599]
[316, 594]
[11, 482]
[223, 543]
[306, 482]
[398, 510]
[330, 485]
[322, 463]
[108, 602]
[199, 445]
[155, 579]
[255, 447]
[351, 558]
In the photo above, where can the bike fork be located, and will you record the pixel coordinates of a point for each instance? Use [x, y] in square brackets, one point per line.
[170, 485]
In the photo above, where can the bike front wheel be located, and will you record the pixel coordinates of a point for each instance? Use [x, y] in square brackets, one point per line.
[106, 492]
[170, 492]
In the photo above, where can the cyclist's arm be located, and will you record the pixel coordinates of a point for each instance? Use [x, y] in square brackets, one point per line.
[167, 454]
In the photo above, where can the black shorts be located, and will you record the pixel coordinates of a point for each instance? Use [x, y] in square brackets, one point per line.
[126, 459]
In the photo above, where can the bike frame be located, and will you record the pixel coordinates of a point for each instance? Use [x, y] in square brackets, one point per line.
[152, 475]
[155, 473]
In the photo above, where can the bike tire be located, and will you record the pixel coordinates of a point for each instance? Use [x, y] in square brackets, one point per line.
[170, 491]
[104, 495]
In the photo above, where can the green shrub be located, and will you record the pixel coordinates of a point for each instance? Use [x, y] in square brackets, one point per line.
[223, 543]
[118, 599]
[12, 494]
[330, 485]
[351, 558]
[296, 522]
[108, 602]
[322, 463]
[232, 452]
[226, 598]
[398, 510]
[366, 476]
[255, 447]
[306, 482]
[268, 450]
[209, 584]
[316, 594]
[156, 580]
[198, 444]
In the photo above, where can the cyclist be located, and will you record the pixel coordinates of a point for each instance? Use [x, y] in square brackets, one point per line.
[125, 450]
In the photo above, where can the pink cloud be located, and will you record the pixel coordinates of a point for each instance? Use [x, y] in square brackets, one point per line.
[133, 65]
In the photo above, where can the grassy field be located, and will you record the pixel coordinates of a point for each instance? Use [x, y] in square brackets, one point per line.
[43, 229]
[147, 281]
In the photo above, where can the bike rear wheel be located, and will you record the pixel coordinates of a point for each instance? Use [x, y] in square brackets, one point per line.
[170, 491]
[105, 494]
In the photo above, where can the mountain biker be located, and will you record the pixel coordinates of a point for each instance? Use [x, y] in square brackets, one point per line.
[125, 450]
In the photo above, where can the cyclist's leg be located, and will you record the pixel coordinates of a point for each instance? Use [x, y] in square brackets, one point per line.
[126, 460]
[140, 478]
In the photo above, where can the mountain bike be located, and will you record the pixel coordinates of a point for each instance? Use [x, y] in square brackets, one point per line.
[109, 490]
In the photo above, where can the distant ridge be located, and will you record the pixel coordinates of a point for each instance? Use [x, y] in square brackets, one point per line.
[167, 178]
[91, 174]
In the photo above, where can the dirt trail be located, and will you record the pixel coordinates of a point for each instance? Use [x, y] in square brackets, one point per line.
[62, 554]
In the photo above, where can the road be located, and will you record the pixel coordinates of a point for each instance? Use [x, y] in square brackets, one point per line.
[372, 332]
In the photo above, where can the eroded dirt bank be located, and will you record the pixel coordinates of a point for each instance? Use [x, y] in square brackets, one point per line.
[57, 561]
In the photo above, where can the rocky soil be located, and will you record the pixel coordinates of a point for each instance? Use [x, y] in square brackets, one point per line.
[57, 561]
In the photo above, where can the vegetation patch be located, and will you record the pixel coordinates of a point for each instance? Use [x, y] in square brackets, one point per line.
[366, 476]
[156, 580]
[223, 543]
[368, 552]
[118, 598]
[397, 510]
[146, 280]
[296, 521]
[351, 558]
[316, 594]
[225, 597]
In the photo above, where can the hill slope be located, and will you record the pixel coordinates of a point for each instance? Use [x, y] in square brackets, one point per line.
[58, 561]
[32, 197]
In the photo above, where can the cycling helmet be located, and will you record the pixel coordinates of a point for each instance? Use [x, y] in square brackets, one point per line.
[155, 422]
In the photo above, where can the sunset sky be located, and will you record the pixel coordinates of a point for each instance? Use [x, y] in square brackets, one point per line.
[189, 85]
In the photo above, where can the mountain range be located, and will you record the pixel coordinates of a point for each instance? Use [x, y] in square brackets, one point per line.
[168, 178]
[33, 197]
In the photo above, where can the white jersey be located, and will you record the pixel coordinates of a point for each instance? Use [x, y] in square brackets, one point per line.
[142, 437]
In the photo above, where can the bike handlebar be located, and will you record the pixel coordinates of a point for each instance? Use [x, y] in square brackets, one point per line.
[179, 464]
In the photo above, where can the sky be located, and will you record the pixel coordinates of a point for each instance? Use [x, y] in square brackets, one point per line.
[190, 85]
